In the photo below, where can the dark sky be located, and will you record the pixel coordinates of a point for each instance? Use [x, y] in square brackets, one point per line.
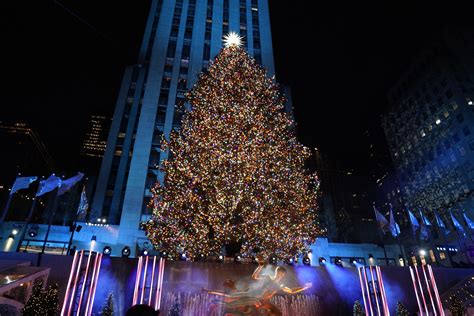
[64, 62]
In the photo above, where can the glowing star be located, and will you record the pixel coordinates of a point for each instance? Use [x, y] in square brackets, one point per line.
[232, 39]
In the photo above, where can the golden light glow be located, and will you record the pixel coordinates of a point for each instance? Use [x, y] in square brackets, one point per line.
[232, 39]
[237, 171]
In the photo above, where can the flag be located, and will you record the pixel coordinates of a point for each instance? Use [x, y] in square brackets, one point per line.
[424, 219]
[67, 184]
[393, 226]
[381, 220]
[469, 221]
[48, 185]
[83, 205]
[441, 224]
[22, 183]
[456, 223]
[414, 221]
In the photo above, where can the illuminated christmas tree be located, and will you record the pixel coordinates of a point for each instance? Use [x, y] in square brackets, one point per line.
[34, 305]
[236, 170]
[51, 300]
[108, 307]
[357, 309]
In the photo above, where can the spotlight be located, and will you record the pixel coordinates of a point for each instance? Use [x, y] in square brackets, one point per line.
[254, 260]
[163, 254]
[126, 251]
[14, 231]
[201, 257]
[220, 258]
[107, 250]
[183, 256]
[322, 261]
[306, 260]
[338, 261]
[238, 258]
[422, 252]
[145, 252]
[290, 261]
[371, 257]
[33, 231]
[353, 261]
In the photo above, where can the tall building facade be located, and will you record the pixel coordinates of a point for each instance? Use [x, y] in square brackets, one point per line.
[430, 129]
[180, 39]
[95, 139]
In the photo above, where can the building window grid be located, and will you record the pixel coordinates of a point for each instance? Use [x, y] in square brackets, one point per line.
[225, 19]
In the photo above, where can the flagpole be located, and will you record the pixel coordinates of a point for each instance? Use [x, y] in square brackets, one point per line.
[28, 219]
[461, 248]
[381, 237]
[5, 210]
[50, 221]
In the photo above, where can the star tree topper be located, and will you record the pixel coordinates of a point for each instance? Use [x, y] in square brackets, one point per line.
[232, 39]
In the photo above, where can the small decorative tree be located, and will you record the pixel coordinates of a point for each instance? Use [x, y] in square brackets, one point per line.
[176, 308]
[358, 311]
[51, 300]
[401, 310]
[455, 306]
[108, 307]
[34, 305]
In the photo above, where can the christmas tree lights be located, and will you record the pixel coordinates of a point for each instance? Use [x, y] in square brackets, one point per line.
[236, 170]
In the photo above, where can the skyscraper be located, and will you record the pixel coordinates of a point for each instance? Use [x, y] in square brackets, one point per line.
[429, 128]
[180, 39]
[95, 139]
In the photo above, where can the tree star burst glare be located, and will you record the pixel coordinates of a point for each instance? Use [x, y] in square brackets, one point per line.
[232, 39]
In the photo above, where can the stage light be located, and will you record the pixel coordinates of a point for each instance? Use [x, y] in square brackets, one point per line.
[422, 252]
[201, 257]
[322, 261]
[238, 258]
[126, 251]
[338, 261]
[33, 231]
[183, 256]
[254, 260]
[353, 261]
[107, 250]
[401, 260]
[220, 258]
[163, 254]
[93, 241]
[14, 231]
[290, 261]
[371, 257]
[306, 260]
[145, 252]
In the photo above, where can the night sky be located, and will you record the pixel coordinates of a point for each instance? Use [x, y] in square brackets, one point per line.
[63, 61]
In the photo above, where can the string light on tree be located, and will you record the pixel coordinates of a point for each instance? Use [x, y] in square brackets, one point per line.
[237, 173]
